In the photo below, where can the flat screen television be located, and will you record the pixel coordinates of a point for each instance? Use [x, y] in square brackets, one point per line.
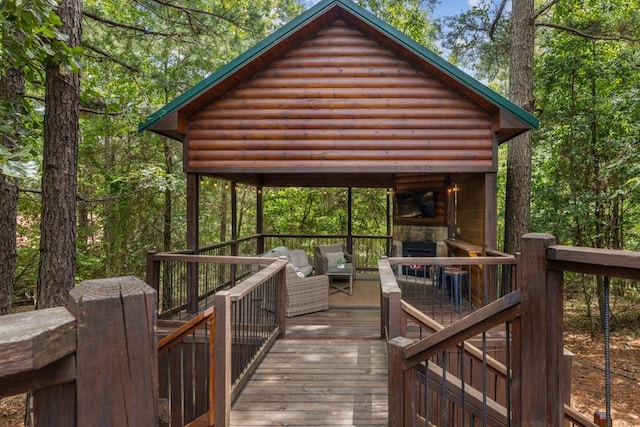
[416, 204]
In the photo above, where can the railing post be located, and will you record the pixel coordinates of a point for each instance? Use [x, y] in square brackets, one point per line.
[153, 271]
[281, 297]
[541, 340]
[116, 357]
[223, 359]
[395, 313]
[397, 383]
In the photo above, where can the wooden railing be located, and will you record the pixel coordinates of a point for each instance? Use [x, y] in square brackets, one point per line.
[449, 376]
[206, 361]
[186, 370]
[250, 317]
[93, 360]
[366, 249]
[445, 288]
[529, 383]
[186, 282]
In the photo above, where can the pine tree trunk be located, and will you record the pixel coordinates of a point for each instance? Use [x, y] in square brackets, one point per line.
[518, 191]
[11, 89]
[59, 170]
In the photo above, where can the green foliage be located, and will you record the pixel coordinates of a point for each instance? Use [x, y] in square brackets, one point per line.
[586, 153]
[323, 211]
[411, 17]
[479, 40]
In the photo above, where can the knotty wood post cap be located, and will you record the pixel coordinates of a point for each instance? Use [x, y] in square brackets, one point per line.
[97, 289]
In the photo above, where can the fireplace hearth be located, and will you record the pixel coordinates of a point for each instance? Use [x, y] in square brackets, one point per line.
[417, 249]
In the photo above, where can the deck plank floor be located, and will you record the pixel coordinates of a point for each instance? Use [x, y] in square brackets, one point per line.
[329, 370]
[317, 383]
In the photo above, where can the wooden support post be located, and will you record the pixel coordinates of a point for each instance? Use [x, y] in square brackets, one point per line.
[153, 271]
[234, 230]
[389, 219]
[567, 369]
[395, 313]
[281, 299]
[259, 220]
[117, 366]
[397, 386]
[541, 340]
[193, 212]
[193, 239]
[600, 418]
[223, 359]
[350, 220]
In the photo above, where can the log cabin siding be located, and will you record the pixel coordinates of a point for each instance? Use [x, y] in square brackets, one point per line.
[340, 102]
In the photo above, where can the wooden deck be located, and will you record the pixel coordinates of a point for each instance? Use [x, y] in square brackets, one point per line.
[329, 370]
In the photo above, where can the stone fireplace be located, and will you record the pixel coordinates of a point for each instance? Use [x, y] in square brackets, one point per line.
[415, 233]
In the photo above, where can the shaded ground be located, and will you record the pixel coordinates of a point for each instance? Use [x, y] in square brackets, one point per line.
[12, 411]
[588, 390]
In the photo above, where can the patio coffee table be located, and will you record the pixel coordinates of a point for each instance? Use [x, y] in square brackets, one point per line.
[346, 272]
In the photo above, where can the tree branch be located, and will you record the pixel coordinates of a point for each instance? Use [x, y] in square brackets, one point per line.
[496, 19]
[191, 12]
[110, 57]
[79, 197]
[82, 109]
[544, 8]
[583, 34]
[126, 26]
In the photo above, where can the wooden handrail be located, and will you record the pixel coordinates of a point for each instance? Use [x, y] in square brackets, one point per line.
[174, 337]
[229, 243]
[424, 320]
[387, 276]
[484, 260]
[577, 418]
[603, 262]
[212, 259]
[249, 284]
[504, 309]
[34, 339]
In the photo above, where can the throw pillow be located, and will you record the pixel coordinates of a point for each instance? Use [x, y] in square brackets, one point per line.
[298, 258]
[332, 257]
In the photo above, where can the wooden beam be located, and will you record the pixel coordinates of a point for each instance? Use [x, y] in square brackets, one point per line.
[542, 339]
[223, 358]
[34, 339]
[62, 371]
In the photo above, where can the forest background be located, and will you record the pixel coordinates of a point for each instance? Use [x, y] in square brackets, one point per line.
[136, 55]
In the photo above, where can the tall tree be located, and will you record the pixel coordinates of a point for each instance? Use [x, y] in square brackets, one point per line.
[22, 27]
[518, 191]
[11, 90]
[60, 166]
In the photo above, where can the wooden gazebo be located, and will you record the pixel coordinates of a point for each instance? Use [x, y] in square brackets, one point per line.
[339, 98]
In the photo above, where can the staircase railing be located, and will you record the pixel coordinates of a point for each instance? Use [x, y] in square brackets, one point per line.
[503, 364]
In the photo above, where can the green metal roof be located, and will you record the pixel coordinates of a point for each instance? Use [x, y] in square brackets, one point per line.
[392, 33]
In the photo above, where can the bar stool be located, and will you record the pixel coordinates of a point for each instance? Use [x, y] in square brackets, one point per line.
[453, 277]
